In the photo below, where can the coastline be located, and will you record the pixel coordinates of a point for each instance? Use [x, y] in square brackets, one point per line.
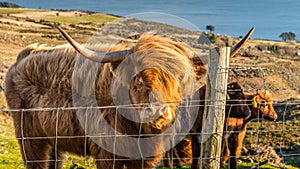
[226, 19]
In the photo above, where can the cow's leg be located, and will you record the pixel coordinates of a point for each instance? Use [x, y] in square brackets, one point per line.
[105, 159]
[109, 163]
[232, 144]
[195, 152]
[146, 163]
[176, 157]
[240, 138]
[171, 160]
[56, 159]
[35, 153]
[167, 159]
[224, 152]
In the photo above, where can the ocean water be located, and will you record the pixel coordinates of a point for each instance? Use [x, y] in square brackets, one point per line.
[233, 18]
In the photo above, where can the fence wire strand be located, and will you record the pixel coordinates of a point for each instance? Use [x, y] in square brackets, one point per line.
[264, 130]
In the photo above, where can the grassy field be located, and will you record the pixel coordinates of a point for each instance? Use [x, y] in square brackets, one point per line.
[15, 10]
[21, 27]
[93, 18]
[9, 148]
[10, 156]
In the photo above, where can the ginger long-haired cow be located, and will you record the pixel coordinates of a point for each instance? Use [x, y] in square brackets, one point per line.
[61, 78]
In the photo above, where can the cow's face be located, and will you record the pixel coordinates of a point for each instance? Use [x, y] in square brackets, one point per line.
[262, 106]
[236, 102]
[156, 96]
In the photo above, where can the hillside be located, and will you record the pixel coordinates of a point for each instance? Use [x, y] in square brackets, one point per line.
[264, 64]
[9, 5]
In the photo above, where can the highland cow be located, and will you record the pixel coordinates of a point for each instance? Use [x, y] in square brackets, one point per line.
[154, 76]
[261, 106]
[235, 107]
[60, 78]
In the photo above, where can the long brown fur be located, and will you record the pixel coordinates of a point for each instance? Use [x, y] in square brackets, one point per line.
[43, 77]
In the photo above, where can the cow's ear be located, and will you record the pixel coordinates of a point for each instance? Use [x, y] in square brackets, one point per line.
[227, 97]
[254, 102]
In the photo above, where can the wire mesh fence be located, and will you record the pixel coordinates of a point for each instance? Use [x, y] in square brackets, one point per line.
[266, 143]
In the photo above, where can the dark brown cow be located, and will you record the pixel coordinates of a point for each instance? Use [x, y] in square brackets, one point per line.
[235, 107]
[234, 133]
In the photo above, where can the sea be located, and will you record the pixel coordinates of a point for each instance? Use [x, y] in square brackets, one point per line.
[229, 17]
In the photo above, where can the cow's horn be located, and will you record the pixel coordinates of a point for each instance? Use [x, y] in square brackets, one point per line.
[233, 51]
[239, 45]
[102, 57]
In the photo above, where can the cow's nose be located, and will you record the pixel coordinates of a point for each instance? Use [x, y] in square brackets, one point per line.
[162, 110]
[154, 111]
[149, 111]
[246, 112]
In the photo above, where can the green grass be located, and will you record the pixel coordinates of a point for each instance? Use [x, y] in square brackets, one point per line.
[249, 165]
[76, 162]
[265, 166]
[15, 10]
[10, 156]
[94, 18]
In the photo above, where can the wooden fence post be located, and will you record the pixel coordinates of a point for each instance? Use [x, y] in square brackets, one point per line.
[214, 111]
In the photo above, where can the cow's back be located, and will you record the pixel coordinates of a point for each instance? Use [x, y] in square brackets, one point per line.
[41, 79]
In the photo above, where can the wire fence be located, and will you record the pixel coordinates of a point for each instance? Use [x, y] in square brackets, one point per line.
[270, 143]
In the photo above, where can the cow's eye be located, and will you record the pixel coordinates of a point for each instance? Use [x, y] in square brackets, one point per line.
[138, 82]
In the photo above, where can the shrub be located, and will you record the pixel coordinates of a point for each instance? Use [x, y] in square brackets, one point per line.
[287, 36]
[9, 5]
[212, 37]
[273, 49]
[211, 28]
[72, 25]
